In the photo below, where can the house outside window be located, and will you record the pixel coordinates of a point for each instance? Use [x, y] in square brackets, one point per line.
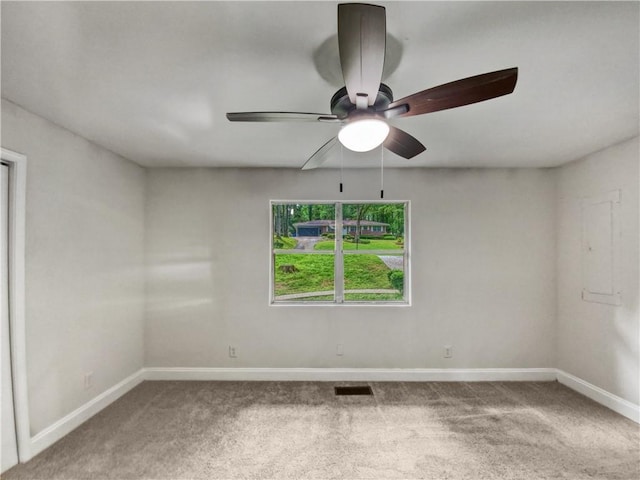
[367, 264]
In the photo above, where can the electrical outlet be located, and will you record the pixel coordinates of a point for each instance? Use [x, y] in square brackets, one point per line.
[339, 350]
[448, 351]
[232, 351]
[88, 380]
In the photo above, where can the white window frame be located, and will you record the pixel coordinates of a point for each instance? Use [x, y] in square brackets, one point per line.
[339, 256]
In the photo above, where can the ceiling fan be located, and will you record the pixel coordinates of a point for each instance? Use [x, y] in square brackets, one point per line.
[364, 104]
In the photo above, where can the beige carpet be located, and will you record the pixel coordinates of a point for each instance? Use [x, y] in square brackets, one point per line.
[298, 430]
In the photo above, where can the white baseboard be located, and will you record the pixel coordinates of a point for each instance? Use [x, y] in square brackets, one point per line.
[62, 427]
[615, 403]
[355, 374]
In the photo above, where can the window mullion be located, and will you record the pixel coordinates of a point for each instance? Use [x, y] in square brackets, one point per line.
[338, 279]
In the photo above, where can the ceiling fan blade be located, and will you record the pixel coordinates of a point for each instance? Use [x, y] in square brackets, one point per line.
[459, 93]
[362, 36]
[403, 144]
[320, 156]
[281, 117]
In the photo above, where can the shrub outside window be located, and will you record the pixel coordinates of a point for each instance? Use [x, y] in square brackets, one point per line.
[367, 263]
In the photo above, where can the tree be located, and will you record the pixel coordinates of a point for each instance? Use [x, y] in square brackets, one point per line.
[360, 213]
[277, 220]
[393, 214]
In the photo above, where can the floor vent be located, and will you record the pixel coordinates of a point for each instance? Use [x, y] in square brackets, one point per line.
[355, 390]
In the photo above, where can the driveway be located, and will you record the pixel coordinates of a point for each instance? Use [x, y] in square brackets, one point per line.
[394, 262]
[307, 243]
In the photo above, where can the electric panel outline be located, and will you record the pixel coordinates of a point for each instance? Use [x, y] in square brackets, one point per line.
[601, 248]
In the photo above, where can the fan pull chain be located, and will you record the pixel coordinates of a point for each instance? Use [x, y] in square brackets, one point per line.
[381, 171]
[341, 164]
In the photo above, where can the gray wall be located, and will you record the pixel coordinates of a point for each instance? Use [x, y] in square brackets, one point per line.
[84, 264]
[483, 271]
[596, 342]
[494, 253]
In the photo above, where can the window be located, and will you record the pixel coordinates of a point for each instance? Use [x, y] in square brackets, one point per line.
[312, 264]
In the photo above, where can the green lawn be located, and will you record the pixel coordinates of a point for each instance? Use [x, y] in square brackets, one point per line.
[373, 245]
[288, 243]
[365, 271]
[315, 274]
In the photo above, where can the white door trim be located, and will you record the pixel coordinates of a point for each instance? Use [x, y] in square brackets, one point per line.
[17, 215]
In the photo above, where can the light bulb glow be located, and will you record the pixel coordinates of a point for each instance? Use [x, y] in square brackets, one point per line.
[363, 135]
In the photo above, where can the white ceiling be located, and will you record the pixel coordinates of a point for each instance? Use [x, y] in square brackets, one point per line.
[153, 80]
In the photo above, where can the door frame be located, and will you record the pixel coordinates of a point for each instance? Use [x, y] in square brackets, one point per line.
[17, 216]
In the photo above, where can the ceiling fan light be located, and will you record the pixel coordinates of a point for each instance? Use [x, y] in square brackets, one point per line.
[363, 135]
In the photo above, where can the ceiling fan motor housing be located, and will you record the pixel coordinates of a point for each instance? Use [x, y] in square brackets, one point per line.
[342, 106]
[361, 45]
